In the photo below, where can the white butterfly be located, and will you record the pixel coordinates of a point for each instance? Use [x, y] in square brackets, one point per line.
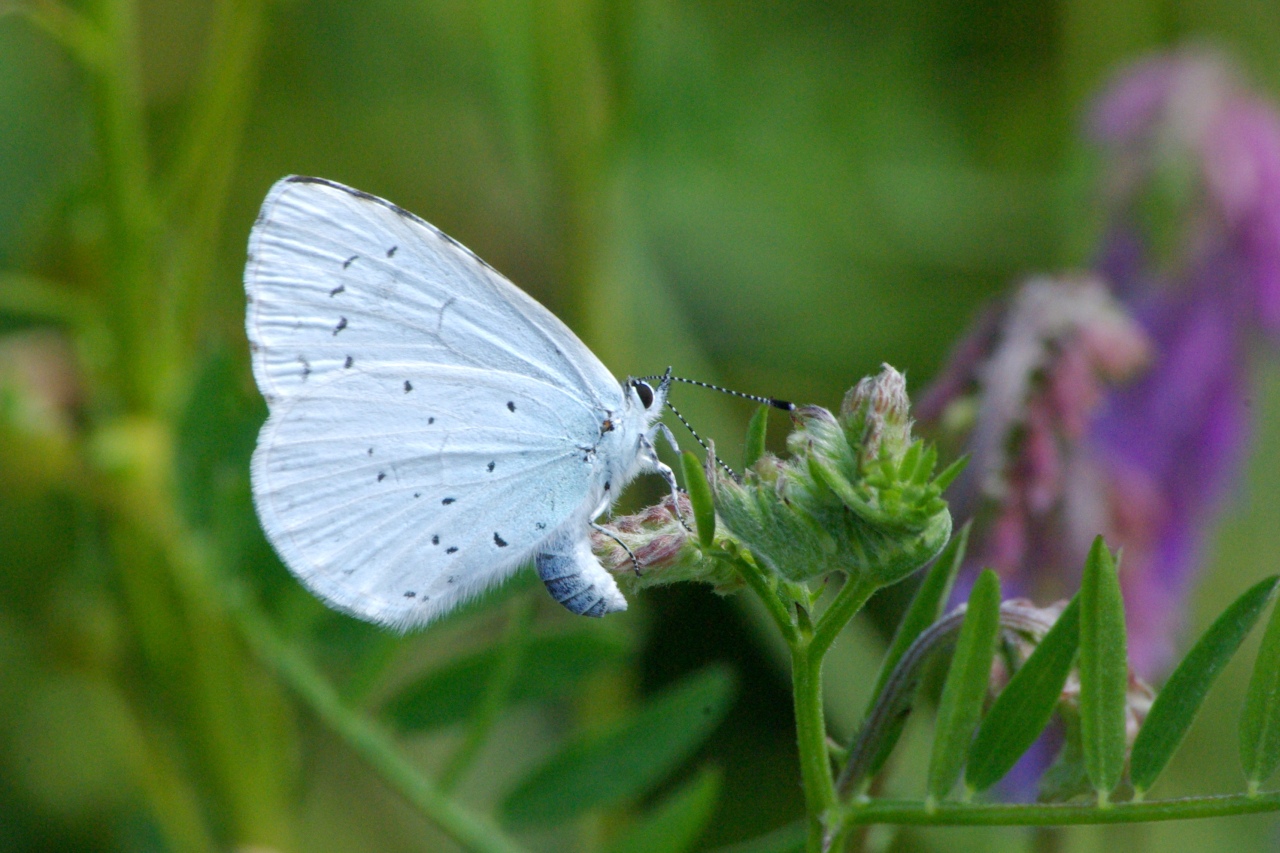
[432, 427]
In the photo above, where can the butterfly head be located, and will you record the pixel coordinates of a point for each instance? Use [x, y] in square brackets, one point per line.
[649, 398]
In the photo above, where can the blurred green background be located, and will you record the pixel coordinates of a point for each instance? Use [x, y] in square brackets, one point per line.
[773, 196]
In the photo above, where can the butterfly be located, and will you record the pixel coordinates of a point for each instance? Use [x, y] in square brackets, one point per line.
[432, 427]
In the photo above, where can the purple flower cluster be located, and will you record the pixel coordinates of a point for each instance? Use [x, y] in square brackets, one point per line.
[1118, 406]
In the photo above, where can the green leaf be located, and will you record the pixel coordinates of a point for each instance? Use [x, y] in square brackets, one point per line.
[1176, 705]
[1260, 721]
[551, 665]
[1026, 704]
[1104, 671]
[966, 685]
[789, 838]
[926, 605]
[623, 761]
[675, 824]
[704, 511]
[756, 431]
[950, 473]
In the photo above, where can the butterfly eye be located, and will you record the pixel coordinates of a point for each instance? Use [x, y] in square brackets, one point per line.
[644, 392]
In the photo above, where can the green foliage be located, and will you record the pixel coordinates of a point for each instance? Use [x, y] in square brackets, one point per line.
[674, 824]
[753, 449]
[1104, 671]
[1260, 721]
[704, 512]
[1023, 709]
[625, 759]
[553, 665]
[1180, 699]
[966, 686]
[804, 200]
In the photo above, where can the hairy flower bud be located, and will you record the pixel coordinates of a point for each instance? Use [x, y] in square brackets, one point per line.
[856, 494]
[662, 550]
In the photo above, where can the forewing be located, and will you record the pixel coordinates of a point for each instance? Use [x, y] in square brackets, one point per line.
[337, 277]
[396, 490]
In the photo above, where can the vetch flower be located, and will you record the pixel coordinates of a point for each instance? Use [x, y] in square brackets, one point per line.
[1121, 411]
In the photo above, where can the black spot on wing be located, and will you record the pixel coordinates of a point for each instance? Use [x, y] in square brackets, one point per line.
[348, 262]
[430, 421]
[410, 594]
[490, 467]
[370, 451]
[350, 361]
[391, 253]
[382, 475]
[337, 290]
[541, 525]
[395, 208]
[342, 324]
[451, 550]
[498, 540]
[448, 501]
[435, 540]
[408, 386]
[511, 405]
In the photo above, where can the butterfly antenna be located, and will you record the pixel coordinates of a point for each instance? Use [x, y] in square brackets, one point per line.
[768, 401]
[698, 439]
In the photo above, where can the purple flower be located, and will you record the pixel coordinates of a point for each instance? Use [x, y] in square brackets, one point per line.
[1119, 407]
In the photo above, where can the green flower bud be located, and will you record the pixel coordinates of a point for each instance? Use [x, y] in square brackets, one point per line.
[857, 495]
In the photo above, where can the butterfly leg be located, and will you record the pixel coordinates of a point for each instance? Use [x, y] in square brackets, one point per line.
[635, 562]
[574, 576]
[663, 470]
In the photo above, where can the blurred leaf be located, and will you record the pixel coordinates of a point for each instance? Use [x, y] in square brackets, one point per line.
[704, 511]
[1026, 704]
[756, 432]
[216, 434]
[784, 839]
[966, 685]
[623, 761]
[674, 825]
[28, 300]
[551, 665]
[1176, 705]
[1260, 721]
[1104, 670]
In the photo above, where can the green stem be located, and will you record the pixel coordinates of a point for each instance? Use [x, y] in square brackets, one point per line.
[1055, 814]
[760, 585]
[811, 737]
[121, 117]
[847, 603]
[472, 831]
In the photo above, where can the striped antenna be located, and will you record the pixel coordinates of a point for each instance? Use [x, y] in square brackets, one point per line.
[768, 401]
[698, 439]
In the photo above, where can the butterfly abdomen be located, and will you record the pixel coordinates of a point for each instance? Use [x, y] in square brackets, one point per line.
[574, 576]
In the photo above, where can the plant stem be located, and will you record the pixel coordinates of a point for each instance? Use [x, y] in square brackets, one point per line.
[847, 603]
[811, 737]
[1054, 814]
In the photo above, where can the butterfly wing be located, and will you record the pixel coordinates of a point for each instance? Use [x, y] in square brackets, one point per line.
[395, 505]
[336, 276]
[430, 422]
